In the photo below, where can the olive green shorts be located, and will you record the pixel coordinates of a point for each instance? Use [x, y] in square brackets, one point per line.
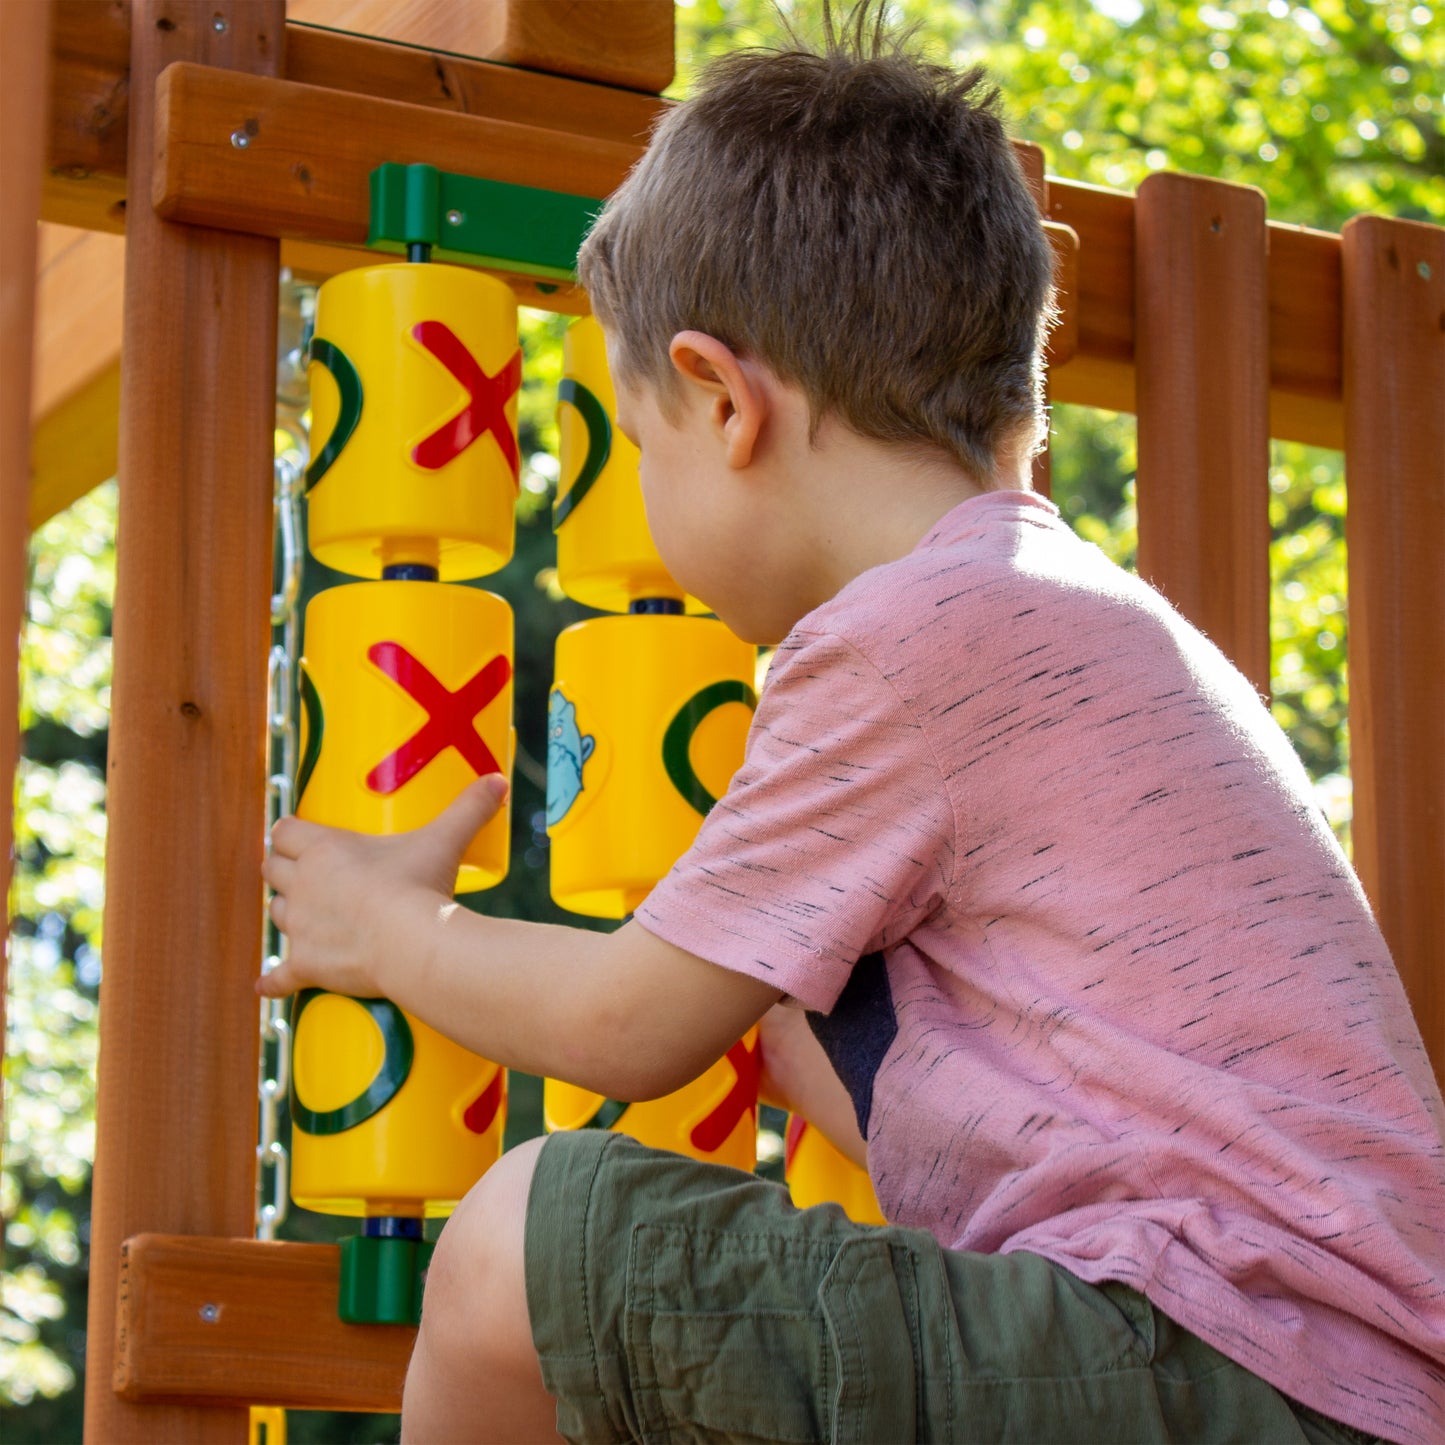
[675, 1301]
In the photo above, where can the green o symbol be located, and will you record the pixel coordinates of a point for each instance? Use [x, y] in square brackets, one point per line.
[315, 726]
[677, 741]
[400, 1049]
[599, 446]
[609, 1112]
[348, 383]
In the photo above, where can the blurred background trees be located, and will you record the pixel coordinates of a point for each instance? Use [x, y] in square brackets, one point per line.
[1329, 107]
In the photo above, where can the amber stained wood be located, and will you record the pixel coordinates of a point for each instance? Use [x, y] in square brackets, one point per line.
[86, 187]
[305, 169]
[238, 1321]
[1201, 328]
[24, 91]
[1394, 385]
[618, 42]
[186, 778]
[90, 94]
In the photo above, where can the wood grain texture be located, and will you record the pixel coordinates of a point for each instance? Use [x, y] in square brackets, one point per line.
[86, 186]
[90, 97]
[176, 1117]
[24, 91]
[1394, 386]
[1201, 335]
[305, 170]
[617, 42]
[238, 1321]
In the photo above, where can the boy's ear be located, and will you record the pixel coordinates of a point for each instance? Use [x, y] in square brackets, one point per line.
[736, 402]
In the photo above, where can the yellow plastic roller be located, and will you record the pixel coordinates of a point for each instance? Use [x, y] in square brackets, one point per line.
[713, 1118]
[605, 555]
[414, 374]
[389, 1117]
[406, 692]
[646, 724]
[820, 1173]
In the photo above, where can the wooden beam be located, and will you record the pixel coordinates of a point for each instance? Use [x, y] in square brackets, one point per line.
[1394, 380]
[176, 1113]
[240, 1322]
[272, 157]
[1304, 315]
[1201, 331]
[24, 59]
[86, 187]
[617, 42]
[90, 94]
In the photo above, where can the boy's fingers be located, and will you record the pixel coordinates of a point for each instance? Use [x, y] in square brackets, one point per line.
[291, 834]
[277, 908]
[473, 809]
[277, 871]
[272, 985]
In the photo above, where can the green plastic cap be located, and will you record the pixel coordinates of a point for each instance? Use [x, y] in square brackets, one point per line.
[382, 1280]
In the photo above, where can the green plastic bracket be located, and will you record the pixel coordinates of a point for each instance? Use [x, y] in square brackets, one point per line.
[382, 1280]
[464, 218]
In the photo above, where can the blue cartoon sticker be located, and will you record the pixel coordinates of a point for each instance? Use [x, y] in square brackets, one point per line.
[567, 754]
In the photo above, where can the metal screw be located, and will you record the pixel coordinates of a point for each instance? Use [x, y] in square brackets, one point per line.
[240, 139]
[219, 24]
[1423, 267]
[210, 1313]
[455, 218]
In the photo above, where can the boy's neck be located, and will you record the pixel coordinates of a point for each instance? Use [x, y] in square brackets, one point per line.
[847, 503]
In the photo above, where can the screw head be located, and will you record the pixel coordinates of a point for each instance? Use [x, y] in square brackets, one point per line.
[240, 139]
[219, 24]
[210, 1313]
[1423, 268]
[455, 218]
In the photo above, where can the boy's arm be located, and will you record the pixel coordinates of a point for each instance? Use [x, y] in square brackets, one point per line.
[797, 1076]
[624, 1014]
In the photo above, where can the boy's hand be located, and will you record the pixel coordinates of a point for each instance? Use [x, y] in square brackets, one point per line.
[351, 905]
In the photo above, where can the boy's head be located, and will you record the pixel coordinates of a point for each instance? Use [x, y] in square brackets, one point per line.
[854, 220]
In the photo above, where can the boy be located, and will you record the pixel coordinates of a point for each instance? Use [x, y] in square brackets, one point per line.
[1142, 1098]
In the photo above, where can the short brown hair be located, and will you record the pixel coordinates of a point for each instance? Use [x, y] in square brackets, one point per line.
[854, 219]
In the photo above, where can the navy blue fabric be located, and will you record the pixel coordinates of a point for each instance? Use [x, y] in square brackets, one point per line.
[859, 1032]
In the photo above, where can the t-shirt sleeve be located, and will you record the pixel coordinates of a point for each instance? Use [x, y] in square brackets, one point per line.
[834, 840]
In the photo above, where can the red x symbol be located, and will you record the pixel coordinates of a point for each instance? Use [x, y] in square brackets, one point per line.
[449, 716]
[742, 1098]
[485, 410]
[482, 1111]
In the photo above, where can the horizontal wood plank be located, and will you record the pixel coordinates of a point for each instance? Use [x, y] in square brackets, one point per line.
[86, 187]
[1304, 316]
[618, 42]
[245, 1322]
[308, 153]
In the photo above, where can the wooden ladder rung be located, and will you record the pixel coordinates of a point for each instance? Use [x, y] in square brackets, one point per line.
[247, 1322]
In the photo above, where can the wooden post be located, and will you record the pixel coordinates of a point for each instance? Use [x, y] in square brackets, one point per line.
[1394, 389]
[176, 1119]
[1201, 346]
[24, 128]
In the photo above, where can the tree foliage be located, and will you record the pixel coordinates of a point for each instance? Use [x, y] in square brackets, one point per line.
[1330, 107]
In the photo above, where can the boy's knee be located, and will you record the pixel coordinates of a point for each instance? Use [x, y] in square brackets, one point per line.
[477, 1278]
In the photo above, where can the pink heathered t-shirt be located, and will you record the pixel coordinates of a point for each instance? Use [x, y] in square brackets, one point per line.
[1100, 981]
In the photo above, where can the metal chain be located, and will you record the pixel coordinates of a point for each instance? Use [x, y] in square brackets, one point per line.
[274, 1066]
